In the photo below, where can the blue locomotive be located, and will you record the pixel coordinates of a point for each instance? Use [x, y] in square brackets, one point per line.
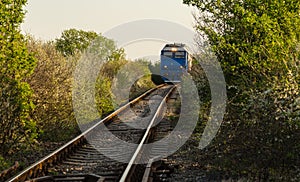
[175, 60]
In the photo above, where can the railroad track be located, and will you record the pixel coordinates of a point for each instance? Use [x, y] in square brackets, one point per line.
[95, 156]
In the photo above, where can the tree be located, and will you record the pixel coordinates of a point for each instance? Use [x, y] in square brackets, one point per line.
[52, 81]
[74, 41]
[257, 44]
[255, 41]
[16, 126]
[93, 76]
[52, 85]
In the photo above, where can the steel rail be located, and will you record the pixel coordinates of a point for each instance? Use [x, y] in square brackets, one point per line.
[126, 173]
[147, 177]
[147, 173]
[54, 156]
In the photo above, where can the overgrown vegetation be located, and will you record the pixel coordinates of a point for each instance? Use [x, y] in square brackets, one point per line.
[37, 79]
[52, 86]
[17, 128]
[74, 41]
[257, 44]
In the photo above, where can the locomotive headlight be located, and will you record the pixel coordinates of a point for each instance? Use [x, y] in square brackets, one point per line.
[181, 67]
[165, 66]
[174, 49]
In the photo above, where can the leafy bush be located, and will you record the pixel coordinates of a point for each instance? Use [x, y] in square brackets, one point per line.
[17, 129]
[52, 84]
[257, 44]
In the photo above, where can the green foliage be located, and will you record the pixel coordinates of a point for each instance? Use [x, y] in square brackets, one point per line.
[94, 73]
[103, 95]
[17, 128]
[257, 44]
[145, 82]
[52, 85]
[155, 73]
[4, 164]
[119, 72]
[74, 41]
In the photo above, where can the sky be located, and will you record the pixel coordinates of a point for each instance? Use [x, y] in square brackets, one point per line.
[155, 21]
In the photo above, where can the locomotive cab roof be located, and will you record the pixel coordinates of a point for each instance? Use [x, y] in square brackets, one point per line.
[174, 47]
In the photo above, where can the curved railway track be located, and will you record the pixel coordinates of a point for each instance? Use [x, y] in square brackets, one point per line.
[92, 155]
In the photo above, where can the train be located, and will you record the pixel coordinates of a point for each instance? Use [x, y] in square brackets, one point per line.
[175, 61]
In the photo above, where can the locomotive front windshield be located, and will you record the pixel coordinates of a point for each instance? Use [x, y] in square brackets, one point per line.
[168, 54]
[179, 54]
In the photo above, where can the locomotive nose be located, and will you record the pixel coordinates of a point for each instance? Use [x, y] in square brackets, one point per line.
[175, 60]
